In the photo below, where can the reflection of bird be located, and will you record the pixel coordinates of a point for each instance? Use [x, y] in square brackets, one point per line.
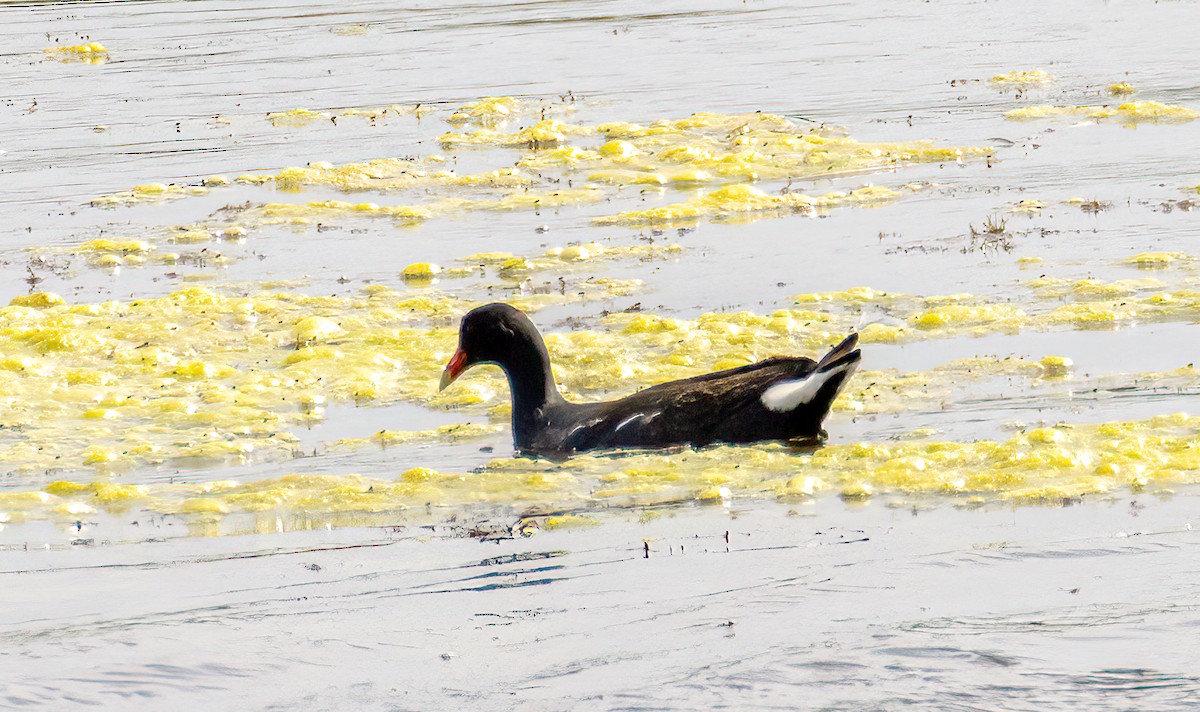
[777, 399]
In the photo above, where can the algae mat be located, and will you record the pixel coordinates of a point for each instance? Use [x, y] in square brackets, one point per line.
[237, 241]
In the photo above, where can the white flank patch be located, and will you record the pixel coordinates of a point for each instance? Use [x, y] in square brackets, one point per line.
[788, 395]
[634, 417]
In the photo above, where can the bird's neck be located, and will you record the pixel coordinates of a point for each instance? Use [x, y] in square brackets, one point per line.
[533, 389]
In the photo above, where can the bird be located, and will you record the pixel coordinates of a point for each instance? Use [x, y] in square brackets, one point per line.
[780, 398]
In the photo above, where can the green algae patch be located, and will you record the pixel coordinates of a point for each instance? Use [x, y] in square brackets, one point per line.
[1130, 113]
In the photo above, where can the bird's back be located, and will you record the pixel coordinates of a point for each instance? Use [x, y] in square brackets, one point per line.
[725, 406]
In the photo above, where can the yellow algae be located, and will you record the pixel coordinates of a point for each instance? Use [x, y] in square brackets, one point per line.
[734, 148]
[1089, 315]
[110, 493]
[205, 505]
[63, 488]
[514, 265]
[1155, 111]
[1039, 465]
[1030, 261]
[89, 53]
[536, 200]
[577, 252]
[99, 456]
[188, 375]
[312, 328]
[38, 300]
[856, 295]
[202, 374]
[465, 431]
[746, 199]
[146, 193]
[1091, 289]
[296, 117]
[569, 521]
[21, 501]
[420, 271]
[189, 236]
[1121, 89]
[1155, 260]
[301, 212]
[488, 258]
[491, 111]
[1129, 113]
[100, 414]
[120, 247]
[1030, 78]
[393, 174]
[997, 316]
[617, 149]
[1029, 206]
[613, 176]
[544, 133]
[857, 490]
[1057, 366]
[253, 179]
[702, 149]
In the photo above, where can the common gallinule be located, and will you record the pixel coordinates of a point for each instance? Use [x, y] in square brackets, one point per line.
[781, 398]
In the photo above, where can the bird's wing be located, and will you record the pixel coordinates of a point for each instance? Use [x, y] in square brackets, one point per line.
[691, 409]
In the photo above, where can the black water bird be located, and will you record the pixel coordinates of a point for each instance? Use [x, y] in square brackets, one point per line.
[781, 398]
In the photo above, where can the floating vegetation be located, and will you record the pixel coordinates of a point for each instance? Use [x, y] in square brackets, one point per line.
[1131, 113]
[595, 161]
[742, 200]
[1040, 465]
[296, 118]
[1030, 78]
[490, 111]
[205, 377]
[88, 53]
[1158, 260]
[216, 377]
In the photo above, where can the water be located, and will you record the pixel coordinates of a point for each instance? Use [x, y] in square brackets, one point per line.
[880, 608]
[824, 603]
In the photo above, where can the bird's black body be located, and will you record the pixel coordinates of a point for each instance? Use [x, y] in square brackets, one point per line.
[726, 406]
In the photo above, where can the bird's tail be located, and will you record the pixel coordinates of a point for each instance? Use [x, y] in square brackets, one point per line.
[822, 384]
[845, 352]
